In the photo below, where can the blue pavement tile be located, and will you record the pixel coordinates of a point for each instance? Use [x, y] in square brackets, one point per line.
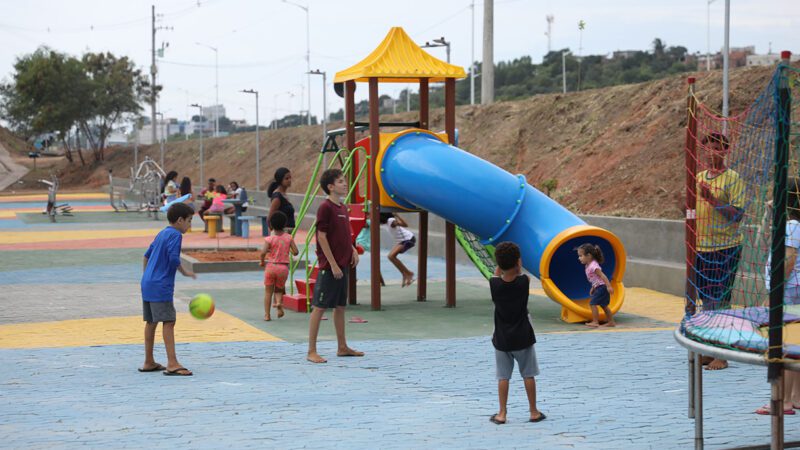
[598, 392]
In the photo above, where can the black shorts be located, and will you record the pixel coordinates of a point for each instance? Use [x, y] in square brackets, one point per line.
[330, 292]
[154, 312]
[409, 244]
[600, 296]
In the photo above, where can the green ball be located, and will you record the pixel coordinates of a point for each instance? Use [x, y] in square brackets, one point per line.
[201, 306]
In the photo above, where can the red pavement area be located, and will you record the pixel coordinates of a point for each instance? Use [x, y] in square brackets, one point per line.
[190, 240]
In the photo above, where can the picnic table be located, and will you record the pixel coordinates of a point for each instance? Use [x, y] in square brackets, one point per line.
[236, 229]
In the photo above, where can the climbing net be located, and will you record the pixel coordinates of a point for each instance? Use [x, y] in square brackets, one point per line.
[481, 255]
[743, 211]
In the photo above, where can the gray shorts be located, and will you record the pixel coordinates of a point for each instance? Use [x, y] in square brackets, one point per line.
[526, 359]
[155, 312]
[330, 292]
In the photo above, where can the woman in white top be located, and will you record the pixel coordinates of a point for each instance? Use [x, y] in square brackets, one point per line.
[171, 187]
[404, 240]
[238, 193]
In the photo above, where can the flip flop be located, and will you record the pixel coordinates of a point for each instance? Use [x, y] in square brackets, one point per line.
[356, 319]
[176, 372]
[765, 411]
[156, 368]
[539, 419]
[494, 420]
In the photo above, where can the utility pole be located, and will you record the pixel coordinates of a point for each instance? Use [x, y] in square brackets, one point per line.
[153, 70]
[472, 58]
[202, 117]
[549, 32]
[258, 141]
[161, 141]
[487, 71]
[153, 75]
[564, 70]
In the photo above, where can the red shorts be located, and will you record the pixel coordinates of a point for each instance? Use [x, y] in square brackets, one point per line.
[276, 275]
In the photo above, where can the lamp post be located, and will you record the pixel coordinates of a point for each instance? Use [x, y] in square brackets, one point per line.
[216, 86]
[308, 54]
[258, 140]
[195, 105]
[324, 110]
[472, 58]
[441, 42]
[708, 35]
[564, 70]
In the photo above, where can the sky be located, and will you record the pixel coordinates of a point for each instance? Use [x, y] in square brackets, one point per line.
[261, 44]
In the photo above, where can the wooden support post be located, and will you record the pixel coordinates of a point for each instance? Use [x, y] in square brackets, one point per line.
[350, 143]
[422, 256]
[374, 206]
[450, 229]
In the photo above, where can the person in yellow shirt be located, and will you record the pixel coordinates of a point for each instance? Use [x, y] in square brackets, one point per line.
[721, 202]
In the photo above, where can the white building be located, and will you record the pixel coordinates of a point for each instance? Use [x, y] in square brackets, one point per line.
[770, 59]
[213, 111]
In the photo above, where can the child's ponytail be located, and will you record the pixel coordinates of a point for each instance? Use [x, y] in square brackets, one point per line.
[597, 254]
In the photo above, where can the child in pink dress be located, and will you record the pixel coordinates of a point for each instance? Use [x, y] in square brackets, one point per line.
[591, 257]
[278, 245]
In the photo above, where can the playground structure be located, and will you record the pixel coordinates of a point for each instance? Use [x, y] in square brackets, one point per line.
[53, 208]
[746, 319]
[143, 189]
[419, 171]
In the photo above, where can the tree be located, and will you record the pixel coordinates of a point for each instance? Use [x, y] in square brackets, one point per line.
[46, 95]
[117, 88]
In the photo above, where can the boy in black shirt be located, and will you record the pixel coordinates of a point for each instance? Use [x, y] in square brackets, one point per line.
[513, 337]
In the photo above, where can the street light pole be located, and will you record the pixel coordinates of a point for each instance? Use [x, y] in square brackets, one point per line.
[195, 105]
[708, 35]
[216, 86]
[308, 55]
[564, 71]
[726, 58]
[441, 42]
[472, 59]
[324, 112]
[258, 141]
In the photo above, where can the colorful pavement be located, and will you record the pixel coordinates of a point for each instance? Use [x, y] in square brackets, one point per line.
[70, 342]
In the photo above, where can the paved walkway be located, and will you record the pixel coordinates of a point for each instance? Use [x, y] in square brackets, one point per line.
[70, 340]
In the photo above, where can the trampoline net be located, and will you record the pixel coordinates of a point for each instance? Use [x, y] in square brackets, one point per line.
[731, 174]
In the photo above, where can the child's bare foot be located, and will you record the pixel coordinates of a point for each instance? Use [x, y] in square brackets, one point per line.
[409, 280]
[498, 419]
[609, 324]
[537, 417]
[349, 352]
[267, 318]
[280, 311]
[717, 364]
[592, 324]
[315, 358]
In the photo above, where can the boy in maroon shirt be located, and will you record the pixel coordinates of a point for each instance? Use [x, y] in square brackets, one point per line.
[335, 251]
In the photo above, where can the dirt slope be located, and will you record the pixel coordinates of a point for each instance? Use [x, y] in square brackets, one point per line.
[613, 151]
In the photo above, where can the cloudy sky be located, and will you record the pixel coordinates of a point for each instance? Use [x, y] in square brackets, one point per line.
[262, 43]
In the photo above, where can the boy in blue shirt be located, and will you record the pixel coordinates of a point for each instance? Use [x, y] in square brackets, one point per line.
[161, 261]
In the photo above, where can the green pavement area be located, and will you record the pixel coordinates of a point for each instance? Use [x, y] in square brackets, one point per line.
[43, 259]
[402, 317]
[91, 217]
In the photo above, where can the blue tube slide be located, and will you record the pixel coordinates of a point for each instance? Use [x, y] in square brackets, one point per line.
[418, 170]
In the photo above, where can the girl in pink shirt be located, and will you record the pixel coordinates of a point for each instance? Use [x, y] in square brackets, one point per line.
[591, 257]
[278, 245]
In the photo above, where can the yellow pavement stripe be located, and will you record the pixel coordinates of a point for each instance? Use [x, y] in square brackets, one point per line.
[12, 213]
[221, 327]
[38, 197]
[19, 237]
[646, 303]
[616, 329]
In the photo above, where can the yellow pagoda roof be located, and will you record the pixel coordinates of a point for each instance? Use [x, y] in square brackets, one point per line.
[399, 60]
